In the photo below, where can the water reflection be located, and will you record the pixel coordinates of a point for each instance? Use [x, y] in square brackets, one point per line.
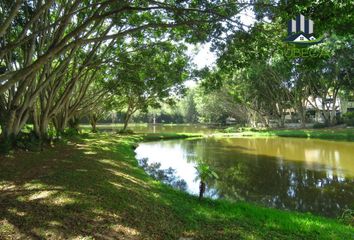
[165, 175]
[297, 174]
[161, 128]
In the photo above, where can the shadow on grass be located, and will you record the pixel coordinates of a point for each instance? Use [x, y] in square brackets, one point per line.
[94, 188]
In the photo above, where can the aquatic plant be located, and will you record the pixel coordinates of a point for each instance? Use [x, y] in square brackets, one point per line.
[204, 173]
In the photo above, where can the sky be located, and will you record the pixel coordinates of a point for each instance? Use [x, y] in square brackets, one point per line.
[201, 54]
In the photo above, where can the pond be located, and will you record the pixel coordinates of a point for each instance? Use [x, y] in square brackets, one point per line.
[289, 173]
[159, 128]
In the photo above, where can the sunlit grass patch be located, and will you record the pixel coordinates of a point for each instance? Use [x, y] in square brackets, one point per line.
[7, 229]
[17, 212]
[330, 134]
[41, 195]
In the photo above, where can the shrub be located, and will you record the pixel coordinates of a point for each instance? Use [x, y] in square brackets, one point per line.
[126, 131]
[349, 118]
[319, 125]
[339, 120]
[347, 217]
[29, 141]
[245, 129]
[229, 130]
[5, 146]
[71, 132]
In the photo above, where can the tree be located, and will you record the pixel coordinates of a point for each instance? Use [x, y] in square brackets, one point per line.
[251, 66]
[254, 64]
[51, 50]
[102, 109]
[188, 106]
[204, 173]
[148, 77]
[327, 76]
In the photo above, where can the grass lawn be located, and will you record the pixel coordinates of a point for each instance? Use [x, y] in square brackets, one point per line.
[92, 188]
[329, 133]
[112, 125]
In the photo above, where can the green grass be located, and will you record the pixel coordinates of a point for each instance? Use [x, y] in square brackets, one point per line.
[330, 133]
[113, 125]
[166, 136]
[133, 125]
[93, 188]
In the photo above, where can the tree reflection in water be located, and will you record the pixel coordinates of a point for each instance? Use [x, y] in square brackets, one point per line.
[304, 175]
[247, 173]
[167, 176]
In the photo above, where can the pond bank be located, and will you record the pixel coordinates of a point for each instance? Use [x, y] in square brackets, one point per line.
[328, 134]
[92, 187]
[170, 130]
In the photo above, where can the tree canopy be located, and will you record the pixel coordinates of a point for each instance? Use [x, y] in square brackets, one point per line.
[54, 54]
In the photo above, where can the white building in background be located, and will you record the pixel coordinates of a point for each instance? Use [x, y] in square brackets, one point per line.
[341, 106]
[315, 109]
[347, 105]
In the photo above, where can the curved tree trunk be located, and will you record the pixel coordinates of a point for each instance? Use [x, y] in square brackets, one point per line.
[131, 110]
[11, 125]
[126, 121]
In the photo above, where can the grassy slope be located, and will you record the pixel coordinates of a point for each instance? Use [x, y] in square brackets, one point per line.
[92, 188]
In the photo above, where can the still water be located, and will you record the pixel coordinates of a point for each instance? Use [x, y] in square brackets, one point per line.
[159, 128]
[289, 173]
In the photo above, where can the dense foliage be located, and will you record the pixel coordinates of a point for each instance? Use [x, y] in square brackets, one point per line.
[260, 70]
[62, 60]
[56, 56]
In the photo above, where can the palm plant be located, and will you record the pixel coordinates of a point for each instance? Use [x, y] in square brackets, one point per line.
[204, 173]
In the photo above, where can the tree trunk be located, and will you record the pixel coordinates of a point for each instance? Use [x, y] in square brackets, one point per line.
[300, 106]
[40, 126]
[281, 120]
[7, 143]
[333, 119]
[302, 114]
[126, 120]
[11, 126]
[325, 111]
[253, 119]
[60, 122]
[201, 189]
[74, 123]
[332, 115]
[93, 122]
[265, 120]
[7, 139]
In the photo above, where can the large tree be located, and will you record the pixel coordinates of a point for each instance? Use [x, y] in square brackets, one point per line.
[149, 76]
[255, 63]
[51, 50]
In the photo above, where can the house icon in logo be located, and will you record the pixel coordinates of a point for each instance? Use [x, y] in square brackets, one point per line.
[300, 31]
